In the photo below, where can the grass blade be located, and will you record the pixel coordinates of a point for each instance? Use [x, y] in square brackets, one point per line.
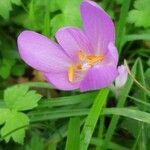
[121, 24]
[92, 118]
[141, 139]
[121, 100]
[73, 140]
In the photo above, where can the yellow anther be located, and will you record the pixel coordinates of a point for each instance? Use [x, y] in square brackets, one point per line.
[71, 73]
[94, 59]
[79, 66]
[81, 55]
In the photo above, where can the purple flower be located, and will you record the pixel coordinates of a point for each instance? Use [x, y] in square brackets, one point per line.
[85, 60]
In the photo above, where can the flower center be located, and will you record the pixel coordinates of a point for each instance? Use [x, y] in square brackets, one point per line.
[85, 62]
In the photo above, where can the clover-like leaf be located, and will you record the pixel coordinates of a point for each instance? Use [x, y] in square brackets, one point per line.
[15, 125]
[139, 16]
[20, 98]
[4, 113]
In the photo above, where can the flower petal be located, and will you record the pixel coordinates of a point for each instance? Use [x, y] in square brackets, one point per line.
[41, 53]
[99, 76]
[60, 81]
[97, 26]
[111, 56]
[122, 76]
[72, 40]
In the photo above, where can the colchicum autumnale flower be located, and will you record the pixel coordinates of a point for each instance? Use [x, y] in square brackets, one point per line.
[85, 60]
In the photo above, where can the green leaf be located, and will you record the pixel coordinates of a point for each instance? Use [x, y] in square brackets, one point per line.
[14, 127]
[92, 118]
[68, 17]
[139, 16]
[6, 7]
[73, 140]
[36, 143]
[3, 115]
[20, 98]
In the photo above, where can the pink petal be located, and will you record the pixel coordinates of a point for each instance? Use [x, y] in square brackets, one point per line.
[99, 76]
[112, 54]
[60, 81]
[122, 76]
[97, 26]
[72, 40]
[41, 53]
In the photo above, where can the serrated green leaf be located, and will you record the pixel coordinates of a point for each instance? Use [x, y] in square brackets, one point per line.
[3, 115]
[20, 98]
[14, 127]
[139, 16]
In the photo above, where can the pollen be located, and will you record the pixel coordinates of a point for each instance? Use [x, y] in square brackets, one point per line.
[82, 55]
[71, 71]
[94, 59]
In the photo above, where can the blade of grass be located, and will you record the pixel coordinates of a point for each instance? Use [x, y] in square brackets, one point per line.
[130, 113]
[73, 140]
[126, 112]
[101, 129]
[142, 95]
[112, 145]
[46, 29]
[133, 37]
[121, 24]
[49, 115]
[121, 101]
[68, 100]
[140, 101]
[92, 118]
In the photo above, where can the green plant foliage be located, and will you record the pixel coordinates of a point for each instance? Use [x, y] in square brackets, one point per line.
[14, 121]
[66, 17]
[6, 7]
[20, 98]
[36, 143]
[139, 16]
[70, 120]
[17, 98]
[5, 67]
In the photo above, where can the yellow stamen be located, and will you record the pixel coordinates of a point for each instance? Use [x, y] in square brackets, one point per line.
[94, 59]
[79, 66]
[71, 73]
[81, 55]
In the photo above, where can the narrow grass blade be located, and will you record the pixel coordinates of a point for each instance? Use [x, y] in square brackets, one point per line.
[112, 145]
[50, 115]
[46, 29]
[134, 37]
[73, 140]
[121, 24]
[92, 118]
[141, 139]
[130, 113]
[121, 100]
[67, 100]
